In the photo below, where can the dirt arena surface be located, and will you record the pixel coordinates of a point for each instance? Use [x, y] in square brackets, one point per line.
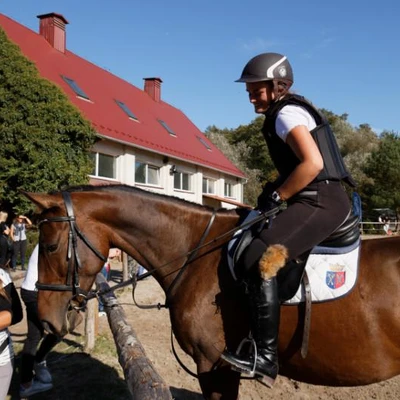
[80, 376]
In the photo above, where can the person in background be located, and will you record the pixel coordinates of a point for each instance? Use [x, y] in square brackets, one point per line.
[134, 268]
[386, 225]
[10, 313]
[35, 376]
[105, 271]
[18, 236]
[311, 171]
[4, 240]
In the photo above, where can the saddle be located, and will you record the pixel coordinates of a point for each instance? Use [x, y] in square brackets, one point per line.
[343, 243]
[290, 276]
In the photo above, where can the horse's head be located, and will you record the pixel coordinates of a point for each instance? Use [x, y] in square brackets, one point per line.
[71, 253]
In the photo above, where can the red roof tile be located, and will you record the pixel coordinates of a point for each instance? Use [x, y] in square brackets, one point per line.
[109, 120]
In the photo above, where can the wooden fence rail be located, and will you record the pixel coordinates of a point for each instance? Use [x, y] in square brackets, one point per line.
[144, 383]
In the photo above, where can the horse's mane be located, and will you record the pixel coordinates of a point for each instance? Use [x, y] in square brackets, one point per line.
[146, 193]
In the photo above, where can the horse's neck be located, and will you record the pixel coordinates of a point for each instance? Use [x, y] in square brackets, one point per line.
[159, 235]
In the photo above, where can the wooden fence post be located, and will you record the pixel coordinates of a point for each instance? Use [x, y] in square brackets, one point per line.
[125, 275]
[91, 324]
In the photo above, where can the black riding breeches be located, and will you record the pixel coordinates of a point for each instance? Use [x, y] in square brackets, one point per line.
[311, 217]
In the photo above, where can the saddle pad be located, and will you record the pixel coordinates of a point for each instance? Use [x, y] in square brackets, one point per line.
[330, 275]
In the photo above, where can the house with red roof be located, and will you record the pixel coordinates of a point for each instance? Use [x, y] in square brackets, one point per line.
[145, 141]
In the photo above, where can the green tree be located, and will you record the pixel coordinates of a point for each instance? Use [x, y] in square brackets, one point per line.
[260, 159]
[355, 143]
[382, 168]
[357, 148]
[240, 154]
[44, 138]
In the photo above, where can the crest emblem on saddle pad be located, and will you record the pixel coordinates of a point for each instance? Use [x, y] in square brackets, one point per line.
[335, 276]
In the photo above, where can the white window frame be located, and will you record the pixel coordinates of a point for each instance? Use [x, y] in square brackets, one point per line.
[231, 190]
[190, 181]
[208, 182]
[148, 166]
[97, 165]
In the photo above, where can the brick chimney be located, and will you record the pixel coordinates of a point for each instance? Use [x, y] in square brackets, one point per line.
[52, 28]
[152, 86]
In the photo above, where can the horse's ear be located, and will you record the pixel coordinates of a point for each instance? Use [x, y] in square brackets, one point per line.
[42, 200]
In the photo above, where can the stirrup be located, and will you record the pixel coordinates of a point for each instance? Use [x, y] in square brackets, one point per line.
[252, 342]
[263, 379]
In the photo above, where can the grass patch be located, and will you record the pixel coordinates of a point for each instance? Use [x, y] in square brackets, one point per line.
[104, 347]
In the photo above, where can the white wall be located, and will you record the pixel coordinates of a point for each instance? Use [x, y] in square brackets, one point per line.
[125, 173]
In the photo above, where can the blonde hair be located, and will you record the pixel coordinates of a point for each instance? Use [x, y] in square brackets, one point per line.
[3, 216]
[3, 291]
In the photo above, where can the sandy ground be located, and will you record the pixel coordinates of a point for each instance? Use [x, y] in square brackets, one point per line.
[153, 330]
[73, 373]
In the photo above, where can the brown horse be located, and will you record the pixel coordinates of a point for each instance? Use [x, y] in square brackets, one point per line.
[353, 340]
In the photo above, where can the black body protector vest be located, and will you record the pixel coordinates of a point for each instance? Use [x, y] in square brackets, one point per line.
[285, 159]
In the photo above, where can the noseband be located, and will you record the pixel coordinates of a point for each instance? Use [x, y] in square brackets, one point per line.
[73, 260]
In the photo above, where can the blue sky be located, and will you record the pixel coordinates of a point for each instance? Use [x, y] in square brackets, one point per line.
[345, 54]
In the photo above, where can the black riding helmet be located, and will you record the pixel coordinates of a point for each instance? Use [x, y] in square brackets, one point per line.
[268, 67]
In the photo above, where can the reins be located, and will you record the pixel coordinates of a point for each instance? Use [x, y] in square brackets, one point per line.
[191, 256]
[74, 263]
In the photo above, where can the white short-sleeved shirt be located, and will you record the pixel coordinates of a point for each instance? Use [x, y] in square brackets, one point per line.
[291, 116]
[8, 353]
[31, 276]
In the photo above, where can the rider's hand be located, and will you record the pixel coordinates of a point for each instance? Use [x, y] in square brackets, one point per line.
[265, 201]
[265, 195]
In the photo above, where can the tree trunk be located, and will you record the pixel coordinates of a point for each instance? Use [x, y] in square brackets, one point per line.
[142, 379]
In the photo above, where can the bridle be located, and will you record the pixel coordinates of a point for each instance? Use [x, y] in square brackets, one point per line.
[73, 260]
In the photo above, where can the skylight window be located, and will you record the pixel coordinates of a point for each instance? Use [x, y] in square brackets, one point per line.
[74, 86]
[204, 143]
[169, 130]
[126, 109]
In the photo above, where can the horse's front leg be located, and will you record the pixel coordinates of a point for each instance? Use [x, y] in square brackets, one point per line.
[218, 382]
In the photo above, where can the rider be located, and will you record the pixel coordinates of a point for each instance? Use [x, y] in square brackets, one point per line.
[311, 170]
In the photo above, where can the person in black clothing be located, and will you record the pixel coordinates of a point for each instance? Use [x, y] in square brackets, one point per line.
[311, 171]
[35, 375]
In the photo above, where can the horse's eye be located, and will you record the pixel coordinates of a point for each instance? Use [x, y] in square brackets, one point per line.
[51, 248]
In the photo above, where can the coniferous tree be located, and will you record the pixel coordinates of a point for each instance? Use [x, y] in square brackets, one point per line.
[44, 138]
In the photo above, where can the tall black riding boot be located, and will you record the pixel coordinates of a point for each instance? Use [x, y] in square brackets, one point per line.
[265, 315]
